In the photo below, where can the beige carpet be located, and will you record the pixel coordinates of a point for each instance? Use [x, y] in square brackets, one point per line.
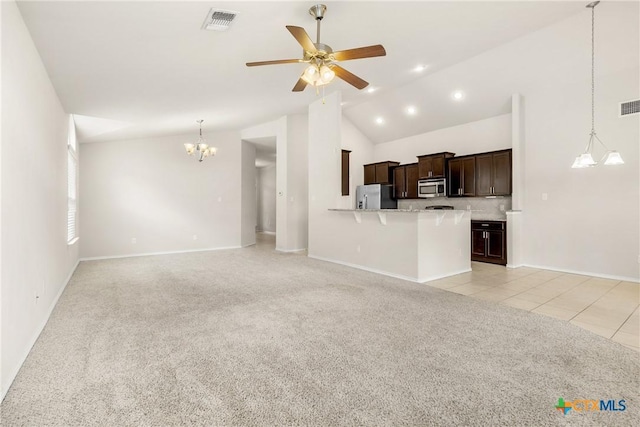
[253, 337]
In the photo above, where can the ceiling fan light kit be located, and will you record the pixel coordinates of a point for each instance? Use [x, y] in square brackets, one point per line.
[322, 60]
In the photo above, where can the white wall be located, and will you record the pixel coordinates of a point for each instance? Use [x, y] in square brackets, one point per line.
[361, 154]
[249, 208]
[325, 145]
[476, 137]
[36, 260]
[266, 178]
[151, 190]
[591, 220]
[297, 192]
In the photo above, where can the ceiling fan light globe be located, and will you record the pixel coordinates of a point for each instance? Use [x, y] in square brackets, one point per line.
[190, 148]
[202, 146]
[326, 74]
[613, 158]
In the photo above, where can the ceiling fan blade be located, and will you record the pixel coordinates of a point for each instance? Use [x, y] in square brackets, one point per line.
[300, 85]
[303, 38]
[349, 77]
[360, 52]
[279, 61]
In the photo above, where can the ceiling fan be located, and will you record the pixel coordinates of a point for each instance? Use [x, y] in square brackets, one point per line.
[322, 59]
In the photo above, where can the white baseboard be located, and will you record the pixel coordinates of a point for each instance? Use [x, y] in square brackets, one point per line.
[273, 233]
[8, 377]
[442, 276]
[371, 270]
[290, 250]
[97, 258]
[583, 273]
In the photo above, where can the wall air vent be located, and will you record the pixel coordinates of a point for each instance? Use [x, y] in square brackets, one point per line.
[629, 108]
[219, 20]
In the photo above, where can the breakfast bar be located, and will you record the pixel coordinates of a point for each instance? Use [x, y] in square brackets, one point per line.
[416, 245]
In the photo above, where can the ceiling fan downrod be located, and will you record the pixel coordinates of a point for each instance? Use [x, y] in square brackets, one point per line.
[317, 12]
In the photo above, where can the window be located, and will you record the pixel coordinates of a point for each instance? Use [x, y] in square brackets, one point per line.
[72, 183]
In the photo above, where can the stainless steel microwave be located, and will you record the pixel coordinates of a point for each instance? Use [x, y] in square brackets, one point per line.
[432, 188]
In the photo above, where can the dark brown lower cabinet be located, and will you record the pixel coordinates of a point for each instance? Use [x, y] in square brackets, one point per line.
[489, 241]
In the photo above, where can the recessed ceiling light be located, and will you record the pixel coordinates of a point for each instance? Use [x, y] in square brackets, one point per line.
[379, 120]
[420, 68]
[371, 90]
[411, 110]
[458, 95]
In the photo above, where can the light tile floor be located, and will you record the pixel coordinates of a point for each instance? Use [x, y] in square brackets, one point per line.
[605, 307]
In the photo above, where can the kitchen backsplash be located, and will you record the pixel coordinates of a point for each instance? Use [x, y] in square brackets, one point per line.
[482, 208]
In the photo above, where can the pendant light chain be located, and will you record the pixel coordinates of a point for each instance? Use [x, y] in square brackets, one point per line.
[611, 157]
[593, 78]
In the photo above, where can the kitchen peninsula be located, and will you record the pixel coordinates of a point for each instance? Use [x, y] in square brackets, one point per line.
[416, 245]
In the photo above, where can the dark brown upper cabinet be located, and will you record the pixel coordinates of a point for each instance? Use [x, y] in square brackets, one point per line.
[405, 181]
[493, 173]
[433, 165]
[345, 172]
[379, 173]
[461, 177]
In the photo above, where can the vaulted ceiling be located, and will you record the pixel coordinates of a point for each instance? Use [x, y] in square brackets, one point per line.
[140, 69]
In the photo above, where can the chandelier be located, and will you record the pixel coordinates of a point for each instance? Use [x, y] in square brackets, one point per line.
[200, 146]
[611, 157]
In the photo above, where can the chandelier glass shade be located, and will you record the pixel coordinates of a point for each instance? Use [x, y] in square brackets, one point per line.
[611, 157]
[200, 147]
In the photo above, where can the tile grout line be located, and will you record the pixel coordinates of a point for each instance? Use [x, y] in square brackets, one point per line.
[601, 296]
[625, 321]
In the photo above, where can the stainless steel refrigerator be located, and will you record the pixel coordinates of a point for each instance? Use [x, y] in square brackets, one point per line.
[375, 196]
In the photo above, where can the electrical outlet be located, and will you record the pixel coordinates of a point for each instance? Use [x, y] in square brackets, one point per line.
[358, 249]
[468, 207]
[134, 240]
[501, 208]
[545, 196]
[638, 259]
[219, 199]
[195, 237]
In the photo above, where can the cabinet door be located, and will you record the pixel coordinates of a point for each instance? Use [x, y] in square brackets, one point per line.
[369, 174]
[382, 173]
[502, 173]
[496, 247]
[344, 176]
[478, 244]
[468, 176]
[411, 183]
[425, 166]
[484, 172]
[437, 166]
[399, 182]
[455, 177]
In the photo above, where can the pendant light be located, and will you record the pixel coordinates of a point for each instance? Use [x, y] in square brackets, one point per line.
[611, 157]
[200, 146]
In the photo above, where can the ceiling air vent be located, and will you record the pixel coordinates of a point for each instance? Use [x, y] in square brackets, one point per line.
[219, 20]
[629, 108]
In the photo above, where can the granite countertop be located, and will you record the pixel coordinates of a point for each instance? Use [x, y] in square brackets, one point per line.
[398, 210]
